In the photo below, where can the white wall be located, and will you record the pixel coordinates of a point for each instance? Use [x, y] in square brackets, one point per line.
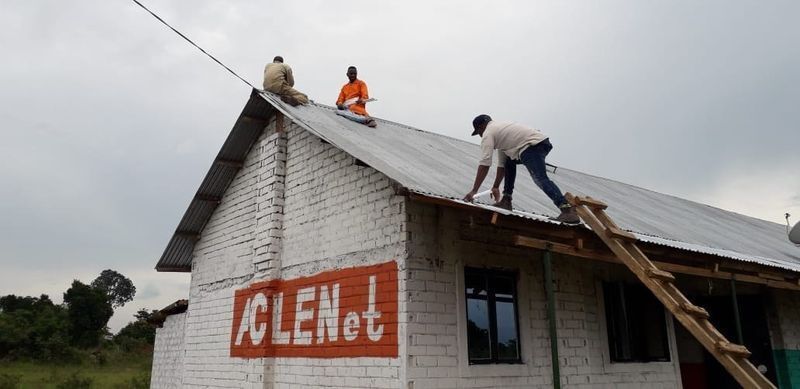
[168, 353]
[442, 242]
[298, 207]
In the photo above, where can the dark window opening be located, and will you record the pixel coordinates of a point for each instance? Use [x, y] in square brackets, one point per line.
[637, 328]
[492, 325]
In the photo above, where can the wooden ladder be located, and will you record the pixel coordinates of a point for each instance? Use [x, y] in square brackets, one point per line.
[732, 356]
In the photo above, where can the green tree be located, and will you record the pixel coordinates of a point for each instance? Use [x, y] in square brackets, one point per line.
[117, 287]
[33, 327]
[137, 333]
[88, 310]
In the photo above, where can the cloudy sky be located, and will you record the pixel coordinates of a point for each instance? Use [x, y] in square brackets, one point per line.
[109, 121]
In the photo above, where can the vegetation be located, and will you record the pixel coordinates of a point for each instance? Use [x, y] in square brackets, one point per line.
[44, 345]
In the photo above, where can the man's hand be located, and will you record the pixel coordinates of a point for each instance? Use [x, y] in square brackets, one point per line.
[496, 194]
[470, 197]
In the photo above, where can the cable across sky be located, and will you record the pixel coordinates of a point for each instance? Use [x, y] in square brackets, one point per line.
[193, 44]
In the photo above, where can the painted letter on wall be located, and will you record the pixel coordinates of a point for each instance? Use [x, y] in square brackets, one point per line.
[303, 317]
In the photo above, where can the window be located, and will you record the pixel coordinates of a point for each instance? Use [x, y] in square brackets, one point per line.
[636, 325]
[492, 326]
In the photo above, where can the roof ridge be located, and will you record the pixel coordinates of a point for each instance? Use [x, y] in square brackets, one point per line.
[332, 108]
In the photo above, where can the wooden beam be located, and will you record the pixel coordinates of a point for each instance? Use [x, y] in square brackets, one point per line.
[229, 162]
[188, 235]
[667, 258]
[562, 248]
[206, 197]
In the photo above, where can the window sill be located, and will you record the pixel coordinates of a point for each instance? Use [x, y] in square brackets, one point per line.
[494, 370]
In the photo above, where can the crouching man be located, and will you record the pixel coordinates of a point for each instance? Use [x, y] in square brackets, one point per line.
[516, 144]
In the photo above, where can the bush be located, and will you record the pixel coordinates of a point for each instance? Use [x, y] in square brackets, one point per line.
[140, 382]
[8, 381]
[75, 381]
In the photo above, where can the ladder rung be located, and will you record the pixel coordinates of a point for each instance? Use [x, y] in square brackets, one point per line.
[661, 275]
[733, 349]
[590, 202]
[695, 311]
[620, 234]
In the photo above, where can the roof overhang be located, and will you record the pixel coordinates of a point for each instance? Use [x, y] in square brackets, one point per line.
[539, 232]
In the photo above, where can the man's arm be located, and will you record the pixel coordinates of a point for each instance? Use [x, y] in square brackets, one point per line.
[363, 93]
[340, 100]
[289, 76]
[479, 177]
[501, 173]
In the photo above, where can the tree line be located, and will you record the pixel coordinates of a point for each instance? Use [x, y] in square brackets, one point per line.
[35, 328]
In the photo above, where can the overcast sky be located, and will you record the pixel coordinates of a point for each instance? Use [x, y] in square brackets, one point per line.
[110, 121]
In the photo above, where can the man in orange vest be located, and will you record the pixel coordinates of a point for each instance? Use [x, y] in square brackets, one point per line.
[352, 101]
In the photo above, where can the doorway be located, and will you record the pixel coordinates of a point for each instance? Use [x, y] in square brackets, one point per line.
[699, 369]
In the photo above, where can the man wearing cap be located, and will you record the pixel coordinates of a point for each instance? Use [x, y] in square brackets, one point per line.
[278, 79]
[516, 144]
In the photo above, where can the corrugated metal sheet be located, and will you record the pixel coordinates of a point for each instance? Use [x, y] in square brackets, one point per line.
[444, 167]
[436, 165]
[177, 255]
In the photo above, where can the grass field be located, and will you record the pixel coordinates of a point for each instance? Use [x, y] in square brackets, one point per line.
[130, 373]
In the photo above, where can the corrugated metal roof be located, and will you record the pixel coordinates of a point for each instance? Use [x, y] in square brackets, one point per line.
[177, 255]
[440, 166]
[437, 165]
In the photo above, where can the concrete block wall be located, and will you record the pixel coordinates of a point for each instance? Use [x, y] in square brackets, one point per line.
[441, 242]
[337, 215]
[232, 247]
[298, 207]
[168, 352]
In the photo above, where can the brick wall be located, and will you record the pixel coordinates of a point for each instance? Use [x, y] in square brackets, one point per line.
[337, 215]
[168, 353]
[298, 207]
[442, 242]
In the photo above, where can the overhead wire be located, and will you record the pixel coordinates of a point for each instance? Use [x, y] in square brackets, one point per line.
[193, 44]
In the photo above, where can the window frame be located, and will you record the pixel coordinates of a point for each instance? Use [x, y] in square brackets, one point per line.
[491, 302]
[611, 340]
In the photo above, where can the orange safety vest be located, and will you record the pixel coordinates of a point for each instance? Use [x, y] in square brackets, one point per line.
[358, 89]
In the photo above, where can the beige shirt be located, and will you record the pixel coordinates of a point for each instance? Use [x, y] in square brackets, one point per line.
[509, 139]
[277, 74]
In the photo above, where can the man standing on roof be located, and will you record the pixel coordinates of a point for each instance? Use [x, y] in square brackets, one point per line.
[352, 101]
[516, 144]
[278, 79]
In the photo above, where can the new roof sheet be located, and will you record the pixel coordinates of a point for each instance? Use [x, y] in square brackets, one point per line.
[440, 166]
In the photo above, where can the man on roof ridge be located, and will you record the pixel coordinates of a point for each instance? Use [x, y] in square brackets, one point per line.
[352, 101]
[516, 144]
[278, 79]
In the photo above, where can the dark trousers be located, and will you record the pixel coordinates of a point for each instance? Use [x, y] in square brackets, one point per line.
[533, 159]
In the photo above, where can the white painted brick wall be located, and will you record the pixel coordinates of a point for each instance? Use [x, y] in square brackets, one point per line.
[331, 214]
[442, 242]
[234, 242]
[319, 211]
[337, 215]
[168, 353]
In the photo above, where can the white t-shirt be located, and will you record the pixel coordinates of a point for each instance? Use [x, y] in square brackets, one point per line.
[509, 139]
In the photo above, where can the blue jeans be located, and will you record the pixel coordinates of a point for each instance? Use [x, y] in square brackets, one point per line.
[533, 159]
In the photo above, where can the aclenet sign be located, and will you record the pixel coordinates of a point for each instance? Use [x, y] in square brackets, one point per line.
[343, 313]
